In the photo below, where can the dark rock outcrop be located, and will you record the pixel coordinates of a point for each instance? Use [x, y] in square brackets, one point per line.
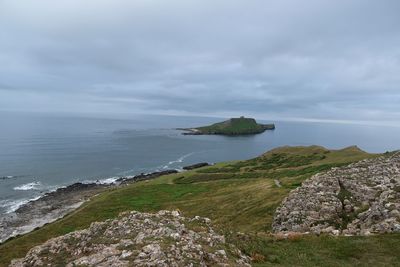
[145, 176]
[196, 166]
[48, 208]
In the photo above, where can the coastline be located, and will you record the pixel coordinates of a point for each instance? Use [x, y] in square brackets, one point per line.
[57, 204]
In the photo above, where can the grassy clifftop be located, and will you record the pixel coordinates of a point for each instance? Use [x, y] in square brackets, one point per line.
[234, 126]
[238, 196]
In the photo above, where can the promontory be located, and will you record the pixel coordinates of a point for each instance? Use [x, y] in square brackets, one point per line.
[231, 127]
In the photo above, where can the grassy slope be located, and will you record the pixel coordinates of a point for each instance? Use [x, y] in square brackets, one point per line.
[238, 196]
[233, 127]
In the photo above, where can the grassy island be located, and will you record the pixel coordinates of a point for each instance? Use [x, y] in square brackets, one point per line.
[233, 126]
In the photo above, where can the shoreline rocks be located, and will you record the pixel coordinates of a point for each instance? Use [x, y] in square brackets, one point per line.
[48, 208]
[139, 239]
[55, 205]
[362, 198]
[196, 166]
[144, 176]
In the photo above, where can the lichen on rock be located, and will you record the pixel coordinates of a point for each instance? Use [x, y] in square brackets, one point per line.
[139, 239]
[359, 199]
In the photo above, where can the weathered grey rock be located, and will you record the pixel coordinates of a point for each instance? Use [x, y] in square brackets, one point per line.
[360, 199]
[139, 239]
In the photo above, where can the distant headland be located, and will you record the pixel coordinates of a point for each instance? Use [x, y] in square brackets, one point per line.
[231, 127]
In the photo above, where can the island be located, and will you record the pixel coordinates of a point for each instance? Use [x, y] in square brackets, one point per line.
[231, 127]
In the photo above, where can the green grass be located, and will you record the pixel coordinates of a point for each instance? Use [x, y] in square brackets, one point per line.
[239, 197]
[235, 126]
[298, 163]
[324, 251]
[231, 204]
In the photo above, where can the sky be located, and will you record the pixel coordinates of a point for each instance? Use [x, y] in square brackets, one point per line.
[317, 60]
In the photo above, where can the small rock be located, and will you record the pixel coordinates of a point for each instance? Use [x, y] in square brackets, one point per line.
[175, 213]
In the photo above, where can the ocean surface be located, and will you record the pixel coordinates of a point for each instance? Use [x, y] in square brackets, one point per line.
[39, 153]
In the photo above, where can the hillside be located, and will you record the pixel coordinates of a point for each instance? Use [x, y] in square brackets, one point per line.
[234, 126]
[362, 198]
[240, 198]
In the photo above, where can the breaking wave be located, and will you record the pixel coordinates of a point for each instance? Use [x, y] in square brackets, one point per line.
[179, 160]
[29, 186]
[13, 205]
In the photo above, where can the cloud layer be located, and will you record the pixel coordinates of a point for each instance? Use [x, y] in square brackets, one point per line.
[280, 59]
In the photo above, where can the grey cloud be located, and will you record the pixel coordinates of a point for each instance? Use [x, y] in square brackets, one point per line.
[334, 60]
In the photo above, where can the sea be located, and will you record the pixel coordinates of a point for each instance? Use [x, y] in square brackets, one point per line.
[42, 152]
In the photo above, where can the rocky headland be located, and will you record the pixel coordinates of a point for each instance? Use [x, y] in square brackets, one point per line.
[362, 198]
[231, 127]
[139, 239]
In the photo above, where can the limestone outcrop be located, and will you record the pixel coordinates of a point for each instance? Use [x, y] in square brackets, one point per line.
[360, 199]
[139, 239]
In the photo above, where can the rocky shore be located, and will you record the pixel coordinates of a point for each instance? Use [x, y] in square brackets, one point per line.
[196, 166]
[139, 239]
[57, 204]
[50, 207]
[360, 199]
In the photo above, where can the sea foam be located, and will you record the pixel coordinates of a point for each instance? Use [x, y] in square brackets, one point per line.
[28, 186]
[179, 160]
[13, 205]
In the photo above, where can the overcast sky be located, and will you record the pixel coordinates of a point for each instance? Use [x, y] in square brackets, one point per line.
[273, 59]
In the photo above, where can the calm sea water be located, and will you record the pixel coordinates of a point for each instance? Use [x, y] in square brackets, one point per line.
[41, 153]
